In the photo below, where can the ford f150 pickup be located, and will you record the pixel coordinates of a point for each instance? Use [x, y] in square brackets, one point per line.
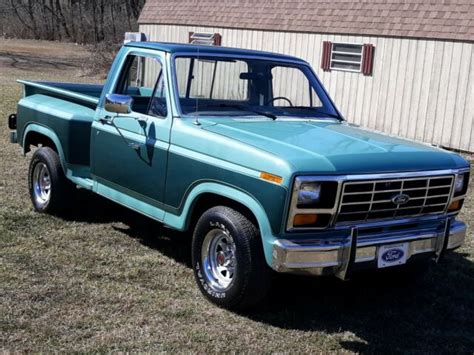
[246, 150]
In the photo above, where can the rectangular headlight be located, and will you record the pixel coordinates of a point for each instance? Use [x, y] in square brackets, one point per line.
[313, 202]
[309, 194]
[461, 182]
[316, 194]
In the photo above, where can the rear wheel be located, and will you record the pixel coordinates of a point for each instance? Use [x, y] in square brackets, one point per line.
[228, 261]
[49, 188]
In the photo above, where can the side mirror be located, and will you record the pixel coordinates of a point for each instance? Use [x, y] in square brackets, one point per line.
[118, 103]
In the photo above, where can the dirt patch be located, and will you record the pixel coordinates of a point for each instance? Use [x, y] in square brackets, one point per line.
[33, 63]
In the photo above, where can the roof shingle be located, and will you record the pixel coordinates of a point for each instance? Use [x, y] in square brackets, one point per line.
[440, 19]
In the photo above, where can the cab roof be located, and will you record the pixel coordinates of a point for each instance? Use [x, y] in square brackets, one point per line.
[211, 50]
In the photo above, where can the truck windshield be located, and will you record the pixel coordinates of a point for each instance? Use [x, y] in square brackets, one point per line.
[216, 86]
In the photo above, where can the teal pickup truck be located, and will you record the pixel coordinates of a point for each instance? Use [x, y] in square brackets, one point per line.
[246, 150]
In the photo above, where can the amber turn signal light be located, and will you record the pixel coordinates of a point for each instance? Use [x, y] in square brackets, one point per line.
[270, 177]
[455, 205]
[305, 219]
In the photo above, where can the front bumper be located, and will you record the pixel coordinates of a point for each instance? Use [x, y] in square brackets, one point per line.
[340, 257]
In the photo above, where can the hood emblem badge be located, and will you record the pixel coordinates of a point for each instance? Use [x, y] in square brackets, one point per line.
[400, 199]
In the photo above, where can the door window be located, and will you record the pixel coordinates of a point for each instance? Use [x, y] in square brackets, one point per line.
[143, 79]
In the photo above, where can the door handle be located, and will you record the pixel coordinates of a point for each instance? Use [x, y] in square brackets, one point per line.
[105, 120]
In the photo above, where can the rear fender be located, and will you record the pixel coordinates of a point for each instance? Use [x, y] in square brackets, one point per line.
[47, 132]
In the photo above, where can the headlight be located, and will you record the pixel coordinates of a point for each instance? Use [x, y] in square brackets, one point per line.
[313, 202]
[459, 183]
[309, 194]
[315, 194]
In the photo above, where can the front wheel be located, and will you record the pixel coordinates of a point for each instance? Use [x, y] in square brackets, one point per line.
[228, 261]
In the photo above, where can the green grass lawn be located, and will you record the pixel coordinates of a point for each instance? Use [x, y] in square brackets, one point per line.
[106, 279]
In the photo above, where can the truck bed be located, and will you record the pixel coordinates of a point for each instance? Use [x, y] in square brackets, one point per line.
[84, 94]
[67, 109]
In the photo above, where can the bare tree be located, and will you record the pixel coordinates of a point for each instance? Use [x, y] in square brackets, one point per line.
[20, 10]
[82, 21]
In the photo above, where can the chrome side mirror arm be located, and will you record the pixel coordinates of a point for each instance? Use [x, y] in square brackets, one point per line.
[119, 104]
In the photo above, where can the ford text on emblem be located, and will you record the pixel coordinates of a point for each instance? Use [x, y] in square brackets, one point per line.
[400, 199]
[392, 255]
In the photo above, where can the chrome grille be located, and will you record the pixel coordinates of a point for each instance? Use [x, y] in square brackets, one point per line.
[373, 199]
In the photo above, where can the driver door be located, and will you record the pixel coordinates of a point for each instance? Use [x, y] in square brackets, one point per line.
[129, 152]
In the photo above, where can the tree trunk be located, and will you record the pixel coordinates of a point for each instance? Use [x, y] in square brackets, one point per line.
[129, 13]
[81, 23]
[101, 35]
[94, 21]
[31, 15]
[54, 23]
[15, 7]
[62, 19]
[112, 18]
[72, 21]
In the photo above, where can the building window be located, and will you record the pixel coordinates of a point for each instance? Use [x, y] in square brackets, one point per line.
[208, 39]
[357, 58]
[346, 57]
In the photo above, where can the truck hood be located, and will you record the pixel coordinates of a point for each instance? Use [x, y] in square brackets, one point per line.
[335, 147]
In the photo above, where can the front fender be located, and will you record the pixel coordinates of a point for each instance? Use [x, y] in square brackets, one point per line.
[231, 193]
[45, 131]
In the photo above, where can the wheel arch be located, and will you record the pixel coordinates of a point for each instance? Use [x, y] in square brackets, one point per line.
[35, 135]
[207, 200]
[210, 194]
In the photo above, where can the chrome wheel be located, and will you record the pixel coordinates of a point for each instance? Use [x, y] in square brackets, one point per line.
[41, 184]
[218, 259]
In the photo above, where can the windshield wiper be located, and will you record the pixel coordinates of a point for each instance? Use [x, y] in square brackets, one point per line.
[243, 108]
[333, 115]
[328, 114]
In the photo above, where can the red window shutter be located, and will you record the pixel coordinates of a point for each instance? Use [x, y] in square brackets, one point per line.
[326, 56]
[368, 59]
[217, 39]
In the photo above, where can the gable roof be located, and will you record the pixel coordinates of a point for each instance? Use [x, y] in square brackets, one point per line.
[435, 19]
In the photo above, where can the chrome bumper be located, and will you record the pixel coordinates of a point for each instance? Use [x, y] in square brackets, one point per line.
[337, 257]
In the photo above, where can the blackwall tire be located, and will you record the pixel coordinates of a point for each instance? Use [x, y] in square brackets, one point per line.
[49, 189]
[228, 260]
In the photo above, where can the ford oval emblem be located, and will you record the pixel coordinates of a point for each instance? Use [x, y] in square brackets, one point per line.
[400, 199]
[393, 255]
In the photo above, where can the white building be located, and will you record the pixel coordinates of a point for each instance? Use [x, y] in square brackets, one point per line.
[405, 67]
